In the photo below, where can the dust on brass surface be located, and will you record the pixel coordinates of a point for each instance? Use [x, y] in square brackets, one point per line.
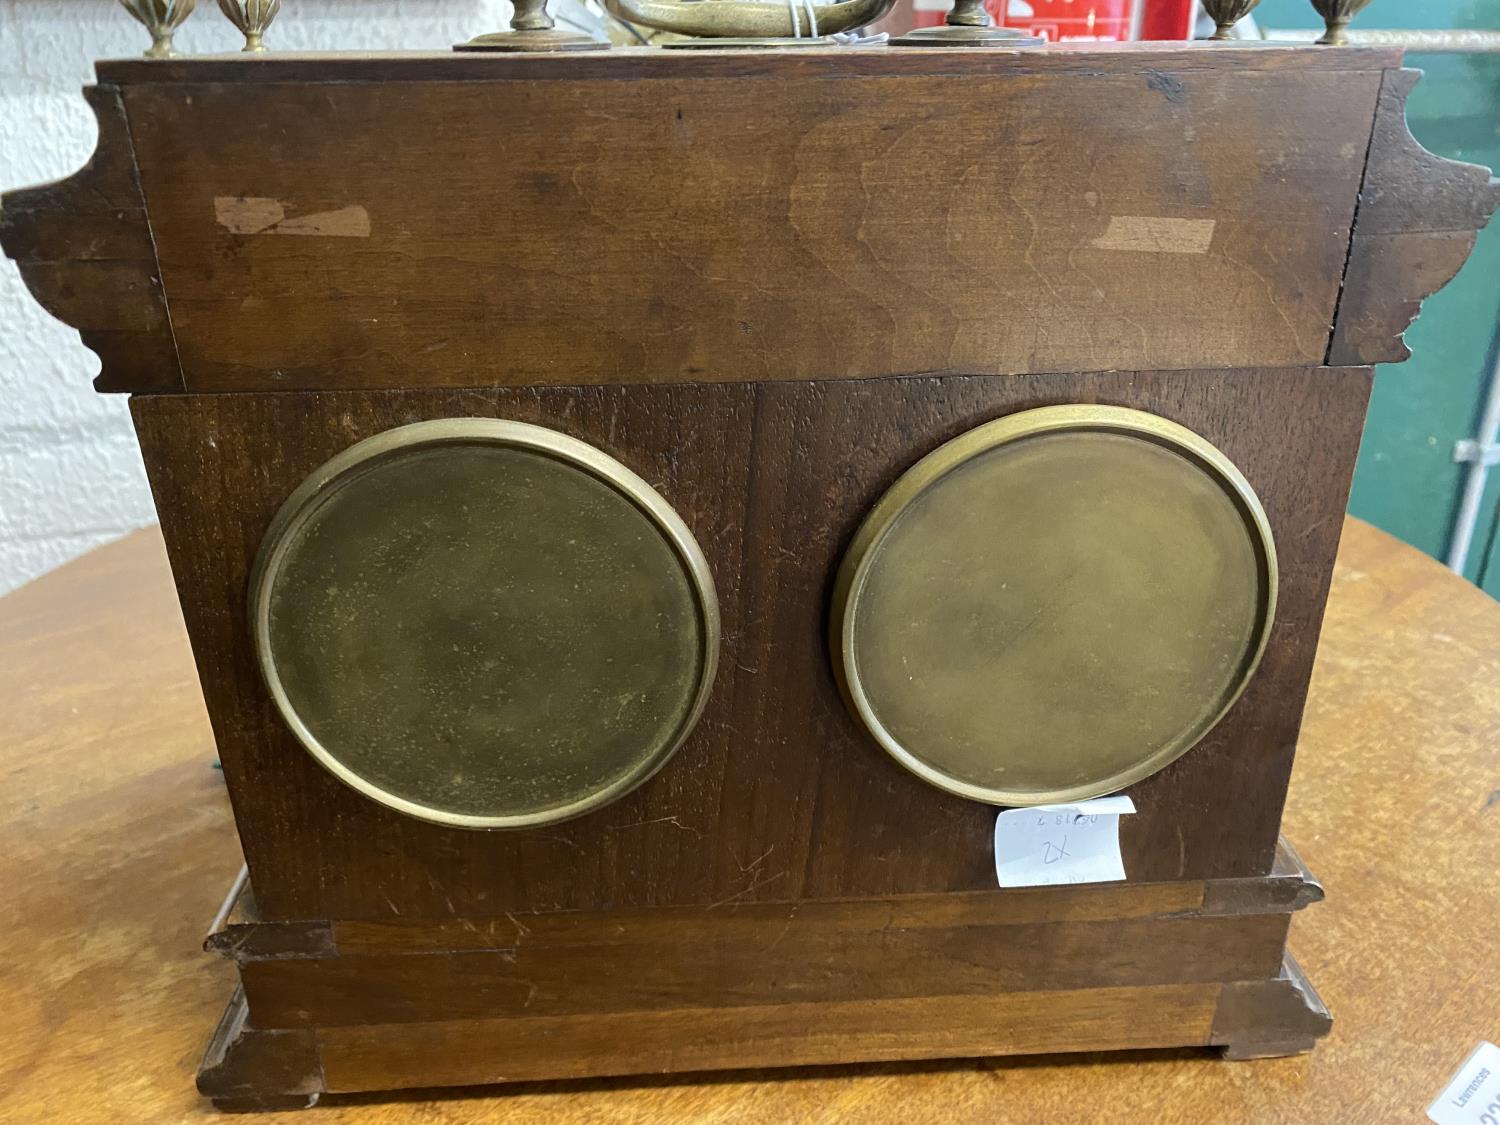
[1058, 607]
[485, 633]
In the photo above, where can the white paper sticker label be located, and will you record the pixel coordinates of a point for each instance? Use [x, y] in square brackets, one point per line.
[1050, 845]
[1473, 1097]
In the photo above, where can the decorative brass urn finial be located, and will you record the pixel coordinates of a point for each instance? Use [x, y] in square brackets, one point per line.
[533, 29]
[967, 25]
[1227, 13]
[969, 13]
[252, 17]
[1336, 16]
[161, 18]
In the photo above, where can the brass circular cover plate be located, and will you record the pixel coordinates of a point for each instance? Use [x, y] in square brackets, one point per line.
[1054, 605]
[747, 43]
[533, 40]
[484, 623]
[950, 35]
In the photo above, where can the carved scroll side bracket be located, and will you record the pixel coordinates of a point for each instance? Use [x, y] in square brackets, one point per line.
[1417, 220]
[84, 248]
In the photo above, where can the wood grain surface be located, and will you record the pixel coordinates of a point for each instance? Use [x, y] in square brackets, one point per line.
[116, 845]
[731, 227]
[347, 1006]
[367, 1057]
[778, 794]
[363, 221]
[702, 969]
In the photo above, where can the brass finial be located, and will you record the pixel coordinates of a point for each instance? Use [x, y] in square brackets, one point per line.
[252, 17]
[161, 18]
[532, 29]
[1227, 13]
[967, 25]
[969, 13]
[1336, 16]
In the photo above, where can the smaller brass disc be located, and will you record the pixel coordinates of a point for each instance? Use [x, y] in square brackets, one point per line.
[1054, 605]
[539, 40]
[746, 43]
[484, 623]
[951, 35]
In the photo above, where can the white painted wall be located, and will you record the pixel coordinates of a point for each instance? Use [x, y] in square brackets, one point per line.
[70, 473]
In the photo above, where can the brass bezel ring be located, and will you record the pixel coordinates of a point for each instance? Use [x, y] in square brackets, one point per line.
[927, 472]
[346, 467]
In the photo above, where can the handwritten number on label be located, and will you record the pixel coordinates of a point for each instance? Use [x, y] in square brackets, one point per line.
[1060, 844]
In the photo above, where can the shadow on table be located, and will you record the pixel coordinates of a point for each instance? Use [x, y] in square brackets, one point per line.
[997, 1066]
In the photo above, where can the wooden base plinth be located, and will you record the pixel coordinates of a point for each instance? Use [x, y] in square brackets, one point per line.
[355, 1006]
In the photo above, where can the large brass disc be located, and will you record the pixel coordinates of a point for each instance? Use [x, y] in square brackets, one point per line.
[484, 623]
[1054, 605]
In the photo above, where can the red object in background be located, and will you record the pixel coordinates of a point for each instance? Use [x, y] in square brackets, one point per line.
[1061, 21]
[1167, 19]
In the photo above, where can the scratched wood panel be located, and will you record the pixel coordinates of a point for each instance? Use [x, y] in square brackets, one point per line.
[763, 921]
[252, 1068]
[385, 1057]
[365, 234]
[777, 795]
[697, 967]
[242, 934]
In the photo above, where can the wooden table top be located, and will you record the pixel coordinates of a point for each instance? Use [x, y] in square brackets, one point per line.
[116, 846]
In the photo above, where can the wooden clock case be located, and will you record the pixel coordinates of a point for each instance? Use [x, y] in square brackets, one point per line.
[768, 283]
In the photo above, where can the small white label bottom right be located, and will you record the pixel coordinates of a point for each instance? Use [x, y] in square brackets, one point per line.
[1473, 1097]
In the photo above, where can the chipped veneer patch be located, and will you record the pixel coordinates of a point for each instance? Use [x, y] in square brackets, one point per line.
[260, 215]
[1150, 235]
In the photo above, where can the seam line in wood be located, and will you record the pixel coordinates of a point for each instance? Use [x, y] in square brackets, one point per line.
[1359, 195]
[140, 187]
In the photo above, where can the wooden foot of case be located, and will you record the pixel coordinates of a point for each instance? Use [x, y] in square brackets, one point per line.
[342, 1007]
[247, 1070]
[1272, 1018]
